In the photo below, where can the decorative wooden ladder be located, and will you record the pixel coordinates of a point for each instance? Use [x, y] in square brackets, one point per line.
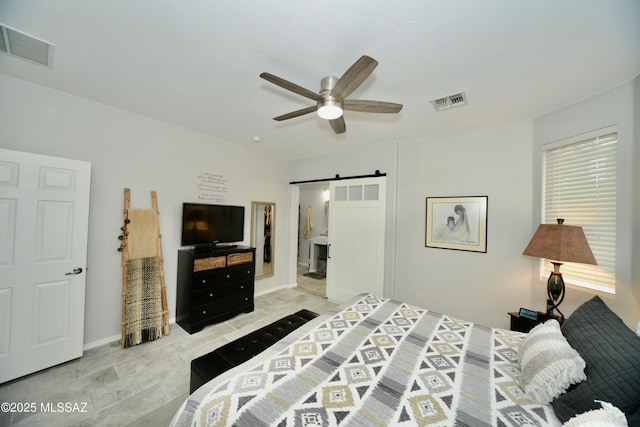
[124, 249]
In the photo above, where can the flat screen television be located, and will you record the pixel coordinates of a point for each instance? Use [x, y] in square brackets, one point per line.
[207, 224]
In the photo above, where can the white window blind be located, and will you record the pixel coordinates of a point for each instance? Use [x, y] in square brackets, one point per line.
[580, 184]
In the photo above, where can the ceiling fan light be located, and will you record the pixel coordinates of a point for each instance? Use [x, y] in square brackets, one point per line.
[329, 109]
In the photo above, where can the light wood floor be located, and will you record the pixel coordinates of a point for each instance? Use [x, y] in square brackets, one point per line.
[142, 385]
[313, 286]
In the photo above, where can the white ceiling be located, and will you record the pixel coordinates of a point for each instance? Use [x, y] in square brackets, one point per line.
[195, 63]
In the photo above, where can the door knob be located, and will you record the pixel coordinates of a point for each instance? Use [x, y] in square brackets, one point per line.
[76, 270]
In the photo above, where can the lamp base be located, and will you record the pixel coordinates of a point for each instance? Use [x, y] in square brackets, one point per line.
[551, 306]
[555, 290]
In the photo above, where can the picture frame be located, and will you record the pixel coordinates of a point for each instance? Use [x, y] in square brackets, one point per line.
[457, 223]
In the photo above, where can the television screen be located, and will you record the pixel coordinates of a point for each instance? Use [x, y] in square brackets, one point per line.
[206, 224]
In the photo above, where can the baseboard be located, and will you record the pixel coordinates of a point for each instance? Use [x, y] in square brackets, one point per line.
[103, 341]
[114, 338]
[270, 290]
[172, 321]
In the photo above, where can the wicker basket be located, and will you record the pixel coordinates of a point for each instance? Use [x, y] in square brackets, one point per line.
[210, 263]
[242, 258]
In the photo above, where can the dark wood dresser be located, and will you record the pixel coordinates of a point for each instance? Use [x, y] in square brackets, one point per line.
[213, 286]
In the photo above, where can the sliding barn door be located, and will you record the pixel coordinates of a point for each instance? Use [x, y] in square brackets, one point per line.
[355, 261]
[44, 214]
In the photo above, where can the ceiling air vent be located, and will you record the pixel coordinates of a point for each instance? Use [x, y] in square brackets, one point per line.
[23, 46]
[451, 101]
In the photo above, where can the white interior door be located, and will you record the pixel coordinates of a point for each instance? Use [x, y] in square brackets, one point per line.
[355, 261]
[44, 215]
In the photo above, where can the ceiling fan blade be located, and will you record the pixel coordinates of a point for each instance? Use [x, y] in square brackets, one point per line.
[338, 125]
[296, 113]
[371, 106]
[291, 86]
[353, 77]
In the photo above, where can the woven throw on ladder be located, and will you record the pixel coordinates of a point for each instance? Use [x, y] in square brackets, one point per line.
[144, 301]
[144, 306]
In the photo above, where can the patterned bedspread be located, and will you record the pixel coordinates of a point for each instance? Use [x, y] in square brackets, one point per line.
[374, 361]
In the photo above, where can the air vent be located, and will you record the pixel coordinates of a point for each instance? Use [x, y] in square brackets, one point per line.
[451, 101]
[21, 45]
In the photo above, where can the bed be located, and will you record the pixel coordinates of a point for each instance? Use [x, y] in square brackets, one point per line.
[378, 361]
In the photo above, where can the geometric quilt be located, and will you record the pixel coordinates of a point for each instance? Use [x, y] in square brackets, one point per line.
[375, 362]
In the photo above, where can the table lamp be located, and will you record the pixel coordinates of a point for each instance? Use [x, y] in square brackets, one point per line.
[559, 243]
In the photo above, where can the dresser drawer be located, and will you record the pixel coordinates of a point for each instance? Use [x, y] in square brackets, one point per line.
[218, 293]
[209, 263]
[217, 308]
[221, 277]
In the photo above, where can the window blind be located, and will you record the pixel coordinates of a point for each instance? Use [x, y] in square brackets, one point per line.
[580, 185]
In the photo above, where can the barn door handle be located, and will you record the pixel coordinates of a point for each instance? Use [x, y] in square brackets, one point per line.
[328, 251]
[77, 270]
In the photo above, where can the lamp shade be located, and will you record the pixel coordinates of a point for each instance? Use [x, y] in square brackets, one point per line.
[559, 242]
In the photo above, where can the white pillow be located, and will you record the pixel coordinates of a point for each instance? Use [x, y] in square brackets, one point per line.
[608, 416]
[548, 364]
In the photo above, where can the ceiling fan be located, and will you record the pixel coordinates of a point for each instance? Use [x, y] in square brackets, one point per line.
[330, 101]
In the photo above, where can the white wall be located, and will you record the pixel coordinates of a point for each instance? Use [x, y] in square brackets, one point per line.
[501, 162]
[635, 190]
[130, 151]
[616, 106]
[480, 287]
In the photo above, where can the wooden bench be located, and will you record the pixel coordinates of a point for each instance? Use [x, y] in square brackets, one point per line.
[210, 365]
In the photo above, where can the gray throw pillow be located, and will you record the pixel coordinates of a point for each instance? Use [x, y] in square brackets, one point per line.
[611, 351]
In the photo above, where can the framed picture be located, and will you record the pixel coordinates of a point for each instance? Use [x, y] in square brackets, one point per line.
[458, 223]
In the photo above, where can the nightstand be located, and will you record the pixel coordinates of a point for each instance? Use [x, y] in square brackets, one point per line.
[524, 324]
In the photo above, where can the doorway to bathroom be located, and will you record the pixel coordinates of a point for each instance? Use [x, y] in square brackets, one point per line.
[313, 230]
[341, 235]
